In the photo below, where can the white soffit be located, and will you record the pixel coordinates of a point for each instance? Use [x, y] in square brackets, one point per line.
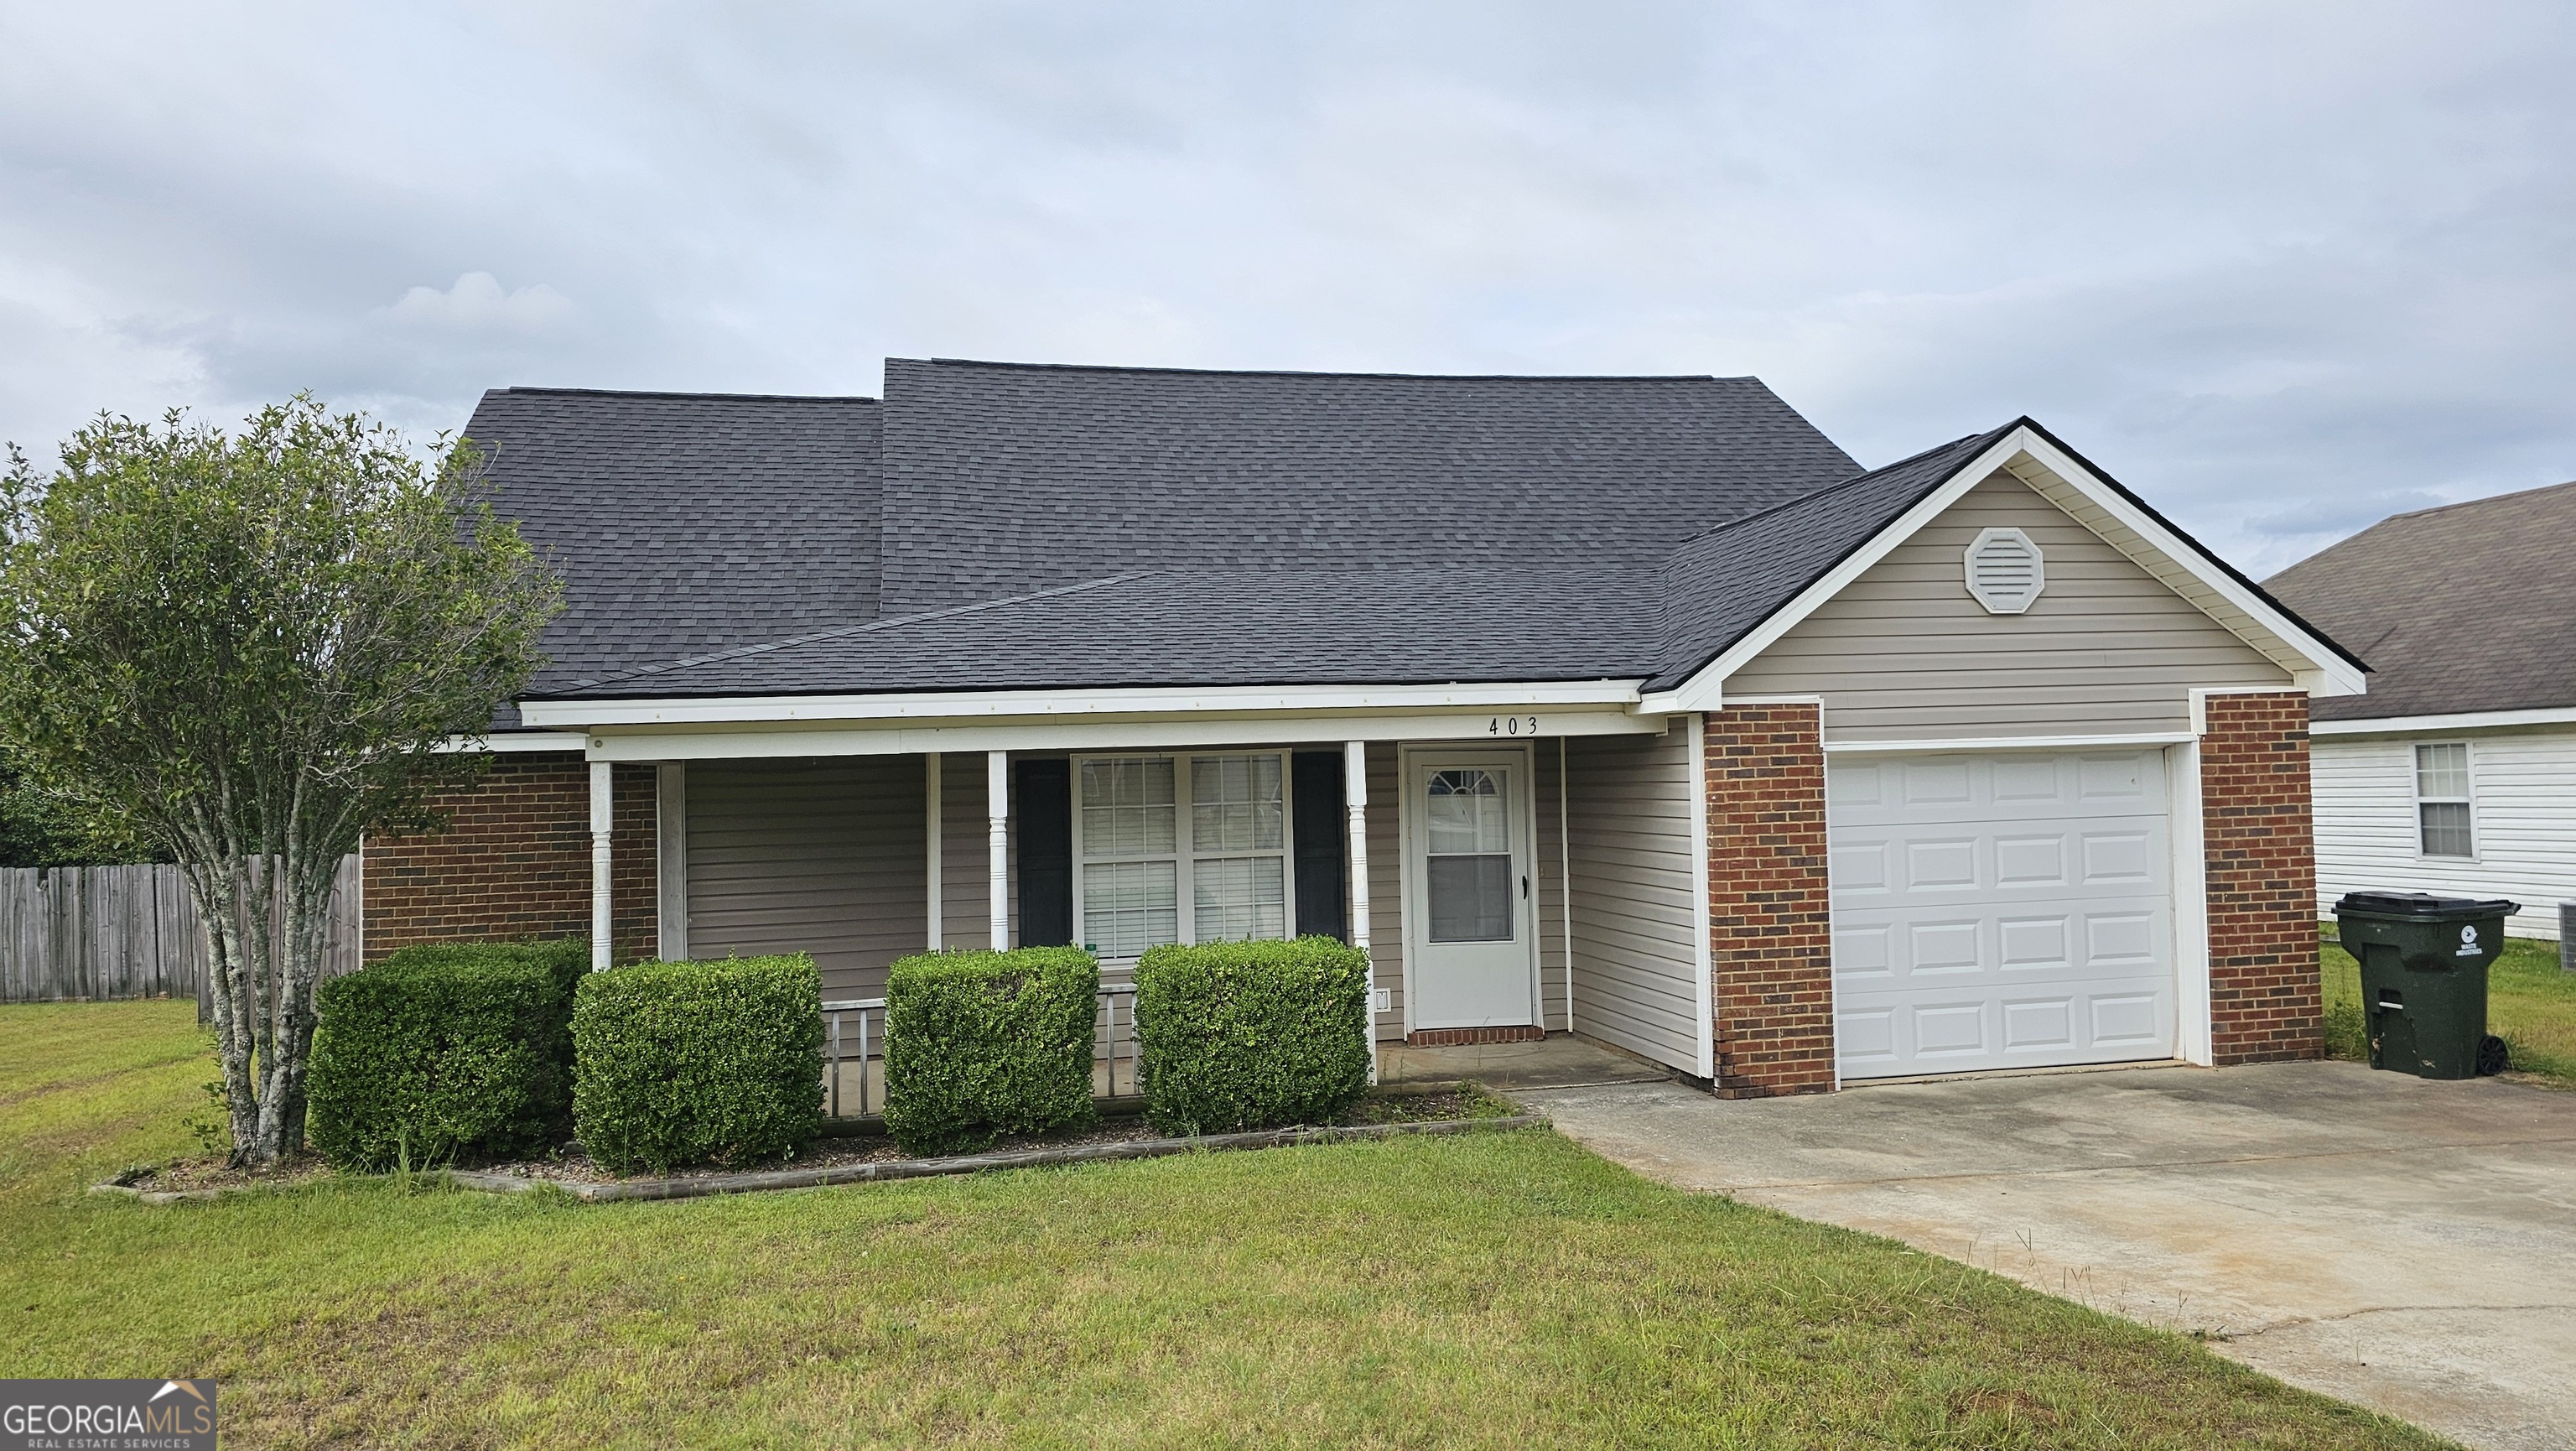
[2391, 725]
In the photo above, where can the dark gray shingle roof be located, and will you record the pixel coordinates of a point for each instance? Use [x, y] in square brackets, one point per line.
[1006, 479]
[1216, 627]
[1720, 585]
[684, 523]
[2459, 609]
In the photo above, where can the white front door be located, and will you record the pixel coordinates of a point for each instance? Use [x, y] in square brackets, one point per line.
[1467, 868]
[2000, 911]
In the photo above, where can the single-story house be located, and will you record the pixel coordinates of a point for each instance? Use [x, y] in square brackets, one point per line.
[2457, 772]
[1626, 707]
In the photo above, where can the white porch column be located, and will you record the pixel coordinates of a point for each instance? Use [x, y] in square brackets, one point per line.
[938, 858]
[603, 918]
[1355, 806]
[997, 811]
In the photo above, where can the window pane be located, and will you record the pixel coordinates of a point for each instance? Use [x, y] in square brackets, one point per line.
[1128, 808]
[1129, 906]
[1471, 898]
[1235, 803]
[1466, 813]
[2442, 772]
[1238, 898]
[2446, 828]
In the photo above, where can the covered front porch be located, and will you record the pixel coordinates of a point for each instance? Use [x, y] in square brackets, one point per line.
[1511, 876]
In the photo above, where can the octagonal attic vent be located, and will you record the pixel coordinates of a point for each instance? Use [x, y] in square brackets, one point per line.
[2005, 572]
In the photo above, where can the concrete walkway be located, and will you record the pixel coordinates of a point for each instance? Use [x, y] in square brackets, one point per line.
[2406, 1245]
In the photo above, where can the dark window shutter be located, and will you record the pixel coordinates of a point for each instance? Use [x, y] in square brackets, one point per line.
[1043, 792]
[1321, 825]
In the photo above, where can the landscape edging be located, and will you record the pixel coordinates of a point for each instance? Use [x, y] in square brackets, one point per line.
[892, 1169]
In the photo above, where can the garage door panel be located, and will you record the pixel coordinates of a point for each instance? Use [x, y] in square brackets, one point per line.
[2000, 911]
[2038, 1024]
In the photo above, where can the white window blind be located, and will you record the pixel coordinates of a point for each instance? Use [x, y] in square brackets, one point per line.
[1137, 862]
[2443, 809]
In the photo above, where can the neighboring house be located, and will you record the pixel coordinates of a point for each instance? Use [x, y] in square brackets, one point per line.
[2457, 773]
[1536, 687]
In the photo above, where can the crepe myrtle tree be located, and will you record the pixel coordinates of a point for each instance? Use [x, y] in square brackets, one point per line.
[247, 649]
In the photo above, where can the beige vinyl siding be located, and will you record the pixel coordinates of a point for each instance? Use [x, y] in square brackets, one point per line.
[1386, 885]
[1636, 876]
[824, 857]
[1904, 653]
[2522, 805]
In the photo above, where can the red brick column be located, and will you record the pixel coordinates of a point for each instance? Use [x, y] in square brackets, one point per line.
[514, 862]
[2259, 844]
[1770, 931]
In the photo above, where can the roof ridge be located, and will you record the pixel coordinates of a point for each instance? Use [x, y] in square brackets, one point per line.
[2474, 503]
[1333, 373]
[1859, 478]
[694, 396]
[740, 652]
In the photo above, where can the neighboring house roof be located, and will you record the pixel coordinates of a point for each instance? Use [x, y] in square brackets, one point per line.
[1005, 527]
[2465, 609]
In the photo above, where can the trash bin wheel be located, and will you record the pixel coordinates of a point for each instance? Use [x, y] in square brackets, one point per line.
[2492, 1058]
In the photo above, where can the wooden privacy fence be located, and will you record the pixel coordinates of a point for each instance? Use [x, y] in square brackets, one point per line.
[127, 932]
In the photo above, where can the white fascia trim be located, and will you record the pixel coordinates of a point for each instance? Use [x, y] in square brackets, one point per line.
[2016, 743]
[508, 741]
[1155, 700]
[2466, 721]
[1109, 735]
[2326, 674]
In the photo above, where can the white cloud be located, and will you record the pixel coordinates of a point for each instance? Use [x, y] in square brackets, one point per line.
[478, 304]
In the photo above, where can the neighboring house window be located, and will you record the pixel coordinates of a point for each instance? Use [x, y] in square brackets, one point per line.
[2442, 799]
[1139, 859]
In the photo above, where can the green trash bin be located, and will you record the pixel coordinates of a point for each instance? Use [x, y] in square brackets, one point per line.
[2424, 978]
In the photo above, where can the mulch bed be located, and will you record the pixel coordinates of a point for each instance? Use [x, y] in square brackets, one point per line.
[852, 1158]
[570, 1166]
[208, 1176]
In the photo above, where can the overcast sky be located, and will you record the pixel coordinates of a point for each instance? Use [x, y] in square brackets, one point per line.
[2281, 268]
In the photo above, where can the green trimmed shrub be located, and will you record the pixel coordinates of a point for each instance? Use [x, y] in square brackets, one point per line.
[982, 1044]
[445, 1049]
[679, 1063]
[1249, 1035]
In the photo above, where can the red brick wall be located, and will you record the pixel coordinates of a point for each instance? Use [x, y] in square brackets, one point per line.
[514, 862]
[1770, 937]
[2261, 851]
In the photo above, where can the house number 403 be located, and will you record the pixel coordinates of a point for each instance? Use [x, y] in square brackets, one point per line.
[1512, 725]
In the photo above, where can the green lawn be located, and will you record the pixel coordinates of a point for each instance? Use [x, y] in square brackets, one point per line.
[2530, 1004]
[1497, 1289]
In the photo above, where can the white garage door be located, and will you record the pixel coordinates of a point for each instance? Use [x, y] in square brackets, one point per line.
[2004, 911]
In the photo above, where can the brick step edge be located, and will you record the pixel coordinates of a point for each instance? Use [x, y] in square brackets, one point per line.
[892, 1169]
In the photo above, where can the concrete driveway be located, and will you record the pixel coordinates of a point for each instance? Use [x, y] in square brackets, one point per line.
[2410, 1246]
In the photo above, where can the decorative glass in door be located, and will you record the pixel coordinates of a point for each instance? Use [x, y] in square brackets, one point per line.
[1468, 857]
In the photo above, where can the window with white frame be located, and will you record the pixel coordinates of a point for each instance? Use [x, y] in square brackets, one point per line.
[1138, 858]
[2442, 804]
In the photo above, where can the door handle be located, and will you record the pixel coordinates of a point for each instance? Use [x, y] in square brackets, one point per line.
[1524, 886]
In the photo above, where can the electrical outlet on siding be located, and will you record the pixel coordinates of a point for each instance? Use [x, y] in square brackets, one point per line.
[1382, 1000]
